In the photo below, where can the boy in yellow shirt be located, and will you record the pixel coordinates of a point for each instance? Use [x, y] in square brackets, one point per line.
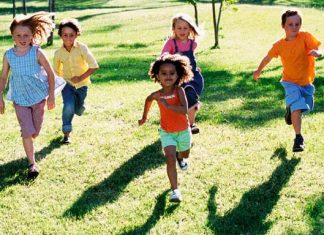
[297, 51]
[75, 63]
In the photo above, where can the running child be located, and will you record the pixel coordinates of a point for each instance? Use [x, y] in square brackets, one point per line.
[28, 90]
[171, 71]
[297, 51]
[183, 42]
[75, 63]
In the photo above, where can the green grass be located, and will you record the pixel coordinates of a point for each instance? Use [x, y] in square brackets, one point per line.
[243, 177]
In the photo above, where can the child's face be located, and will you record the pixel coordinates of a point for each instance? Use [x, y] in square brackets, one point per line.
[167, 75]
[181, 30]
[22, 36]
[68, 36]
[292, 26]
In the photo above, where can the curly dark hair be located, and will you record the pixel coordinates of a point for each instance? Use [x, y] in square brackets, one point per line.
[181, 63]
[289, 13]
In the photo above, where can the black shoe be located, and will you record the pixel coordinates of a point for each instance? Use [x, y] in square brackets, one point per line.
[288, 116]
[66, 140]
[298, 144]
[194, 129]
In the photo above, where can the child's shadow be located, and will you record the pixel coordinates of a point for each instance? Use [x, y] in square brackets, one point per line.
[110, 188]
[249, 216]
[158, 212]
[14, 172]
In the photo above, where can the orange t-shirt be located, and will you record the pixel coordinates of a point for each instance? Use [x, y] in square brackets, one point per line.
[172, 121]
[298, 67]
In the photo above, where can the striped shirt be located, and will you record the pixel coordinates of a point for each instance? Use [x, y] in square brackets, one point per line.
[26, 88]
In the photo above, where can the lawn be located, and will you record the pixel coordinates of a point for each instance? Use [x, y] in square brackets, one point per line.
[243, 177]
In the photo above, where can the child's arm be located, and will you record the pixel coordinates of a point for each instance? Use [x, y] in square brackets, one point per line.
[183, 107]
[50, 74]
[89, 72]
[147, 106]
[3, 82]
[266, 60]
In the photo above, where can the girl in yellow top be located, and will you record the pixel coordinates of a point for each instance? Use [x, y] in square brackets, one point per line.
[171, 71]
[297, 51]
[75, 63]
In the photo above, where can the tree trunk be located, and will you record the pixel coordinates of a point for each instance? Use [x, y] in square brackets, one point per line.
[196, 13]
[13, 8]
[215, 25]
[51, 4]
[24, 7]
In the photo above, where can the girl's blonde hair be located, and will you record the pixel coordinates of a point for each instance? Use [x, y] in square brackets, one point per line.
[194, 29]
[40, 24]
[181, 63]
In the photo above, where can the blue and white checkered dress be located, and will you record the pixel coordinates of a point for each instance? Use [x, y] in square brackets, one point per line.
[26, 87]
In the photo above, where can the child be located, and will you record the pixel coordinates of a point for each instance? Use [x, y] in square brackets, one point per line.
[171, 71]
[183, 42]
[27, 89]
[75, 63]
[297, 51]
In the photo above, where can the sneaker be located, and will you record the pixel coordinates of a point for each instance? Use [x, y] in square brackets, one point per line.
[298, 144]
[33, 171]
[175, 196]
[183, 164]
[288, 116]
[194, 129]
[66, 140]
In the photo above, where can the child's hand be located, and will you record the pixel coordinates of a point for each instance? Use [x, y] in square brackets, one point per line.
[141, 121]
[76, 79]
[2, 106]
[163, 101]
[50, 102]
[256, 75]
[315, 53]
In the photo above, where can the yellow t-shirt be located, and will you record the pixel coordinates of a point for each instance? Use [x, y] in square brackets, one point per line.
[298, 66]
[75, 62]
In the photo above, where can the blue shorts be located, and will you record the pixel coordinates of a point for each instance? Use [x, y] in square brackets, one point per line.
[182, 139]
[299, 97]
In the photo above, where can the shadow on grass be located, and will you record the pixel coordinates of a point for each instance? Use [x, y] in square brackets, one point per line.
[158, 211]
[15, 172]
[249, 216]
[315, 212]
[112, 187]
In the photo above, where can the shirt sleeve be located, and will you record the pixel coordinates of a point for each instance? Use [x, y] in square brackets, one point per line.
[57, 66]
[274, 51]
[168, 47]
[90, 59]
[311, 41]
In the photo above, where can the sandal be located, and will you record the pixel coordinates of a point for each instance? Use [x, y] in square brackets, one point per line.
[33, 171]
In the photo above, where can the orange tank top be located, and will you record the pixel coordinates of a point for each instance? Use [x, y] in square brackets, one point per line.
[172, 121]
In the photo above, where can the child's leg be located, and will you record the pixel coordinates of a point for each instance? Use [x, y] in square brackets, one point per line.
[296, 121]
[170, 154]
[29, 150]
[68, 94]
[81, 94]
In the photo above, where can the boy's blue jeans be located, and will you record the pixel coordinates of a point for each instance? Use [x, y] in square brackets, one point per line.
[73, 103]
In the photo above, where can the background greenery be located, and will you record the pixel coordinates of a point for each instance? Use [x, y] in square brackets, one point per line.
[243, 176]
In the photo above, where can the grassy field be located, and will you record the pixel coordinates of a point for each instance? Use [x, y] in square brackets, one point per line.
[243, 177]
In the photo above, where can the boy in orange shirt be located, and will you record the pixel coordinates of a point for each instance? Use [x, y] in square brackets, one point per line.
[297, 51]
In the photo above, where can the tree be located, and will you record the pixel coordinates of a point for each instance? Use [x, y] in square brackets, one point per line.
[51, 8]
[194, 3]
[13, 8]
[24, 7]
[217, 22]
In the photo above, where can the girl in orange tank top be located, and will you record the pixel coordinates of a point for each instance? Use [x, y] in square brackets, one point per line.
[171, 71]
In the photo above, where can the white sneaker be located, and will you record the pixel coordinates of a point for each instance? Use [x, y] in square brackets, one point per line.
[175, 196]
